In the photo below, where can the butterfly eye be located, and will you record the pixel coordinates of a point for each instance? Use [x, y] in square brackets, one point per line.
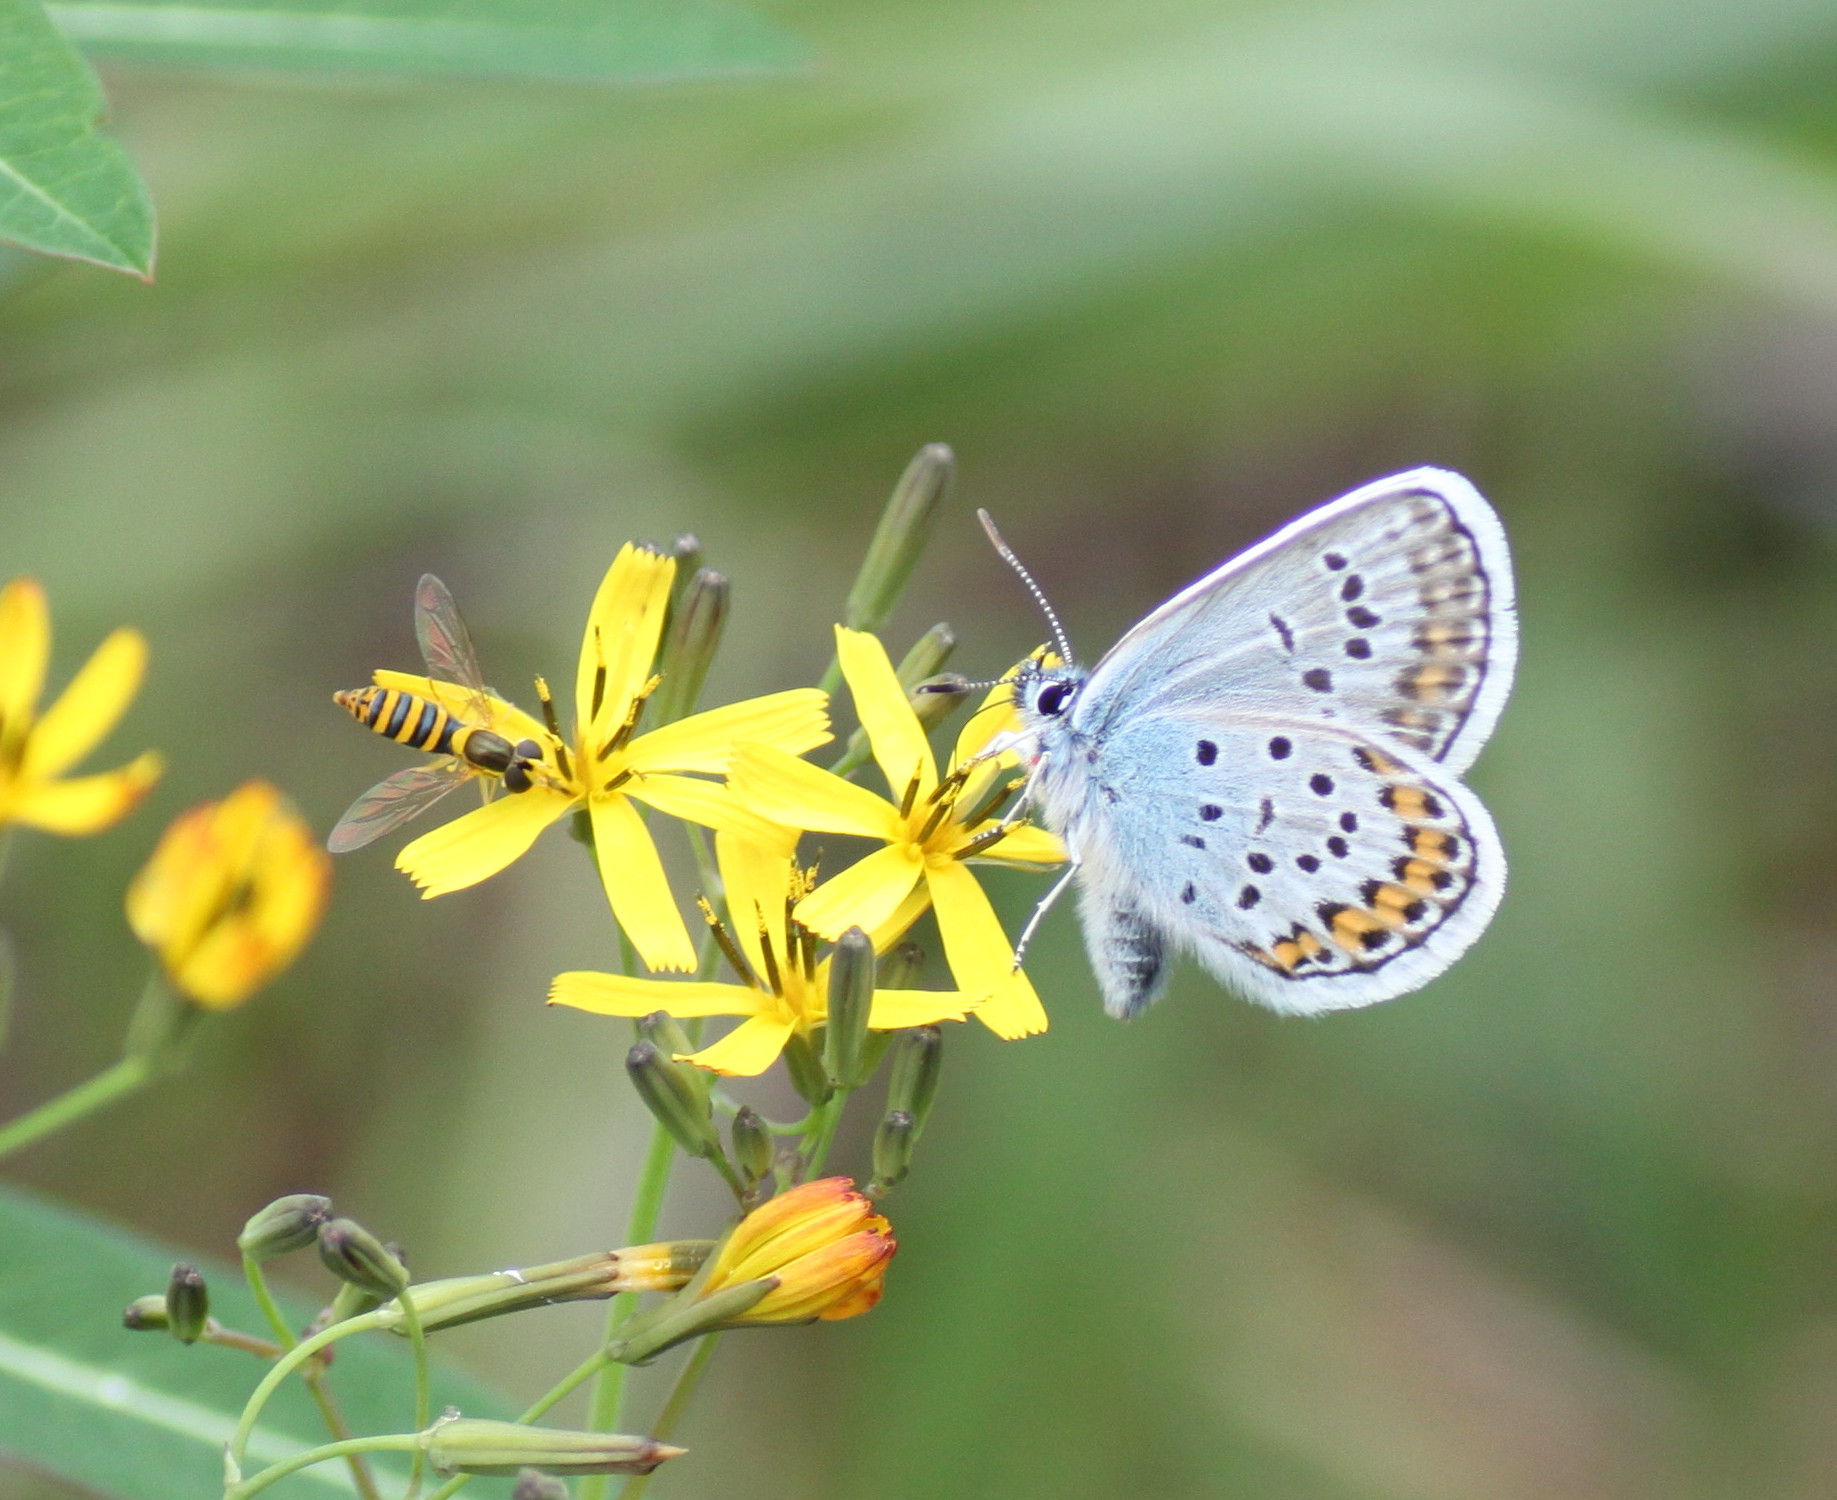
[1051, 701]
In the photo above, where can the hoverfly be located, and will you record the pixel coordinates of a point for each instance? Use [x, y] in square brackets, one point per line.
[466, 751]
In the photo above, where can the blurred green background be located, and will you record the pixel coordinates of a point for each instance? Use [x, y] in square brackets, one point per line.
[1562, 1226]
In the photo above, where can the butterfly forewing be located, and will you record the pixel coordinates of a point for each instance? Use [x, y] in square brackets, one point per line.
[393, 801]
[1390, 611]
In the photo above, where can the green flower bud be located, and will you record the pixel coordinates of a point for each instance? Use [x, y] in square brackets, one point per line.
[927, 656]
[851, 1000]
[678, 1104]
[469, 1445]
[892, 1151]
[187, 1304]
[754, 1148]
[290, 1223]
[664, 1267]
[936, 698]
[359, 1258]
[146, 1315]
[664, 1032]
[905, 527]
[533, 1484]
[806, 1070]
[899, 969]
[917, 1058]
[689, 643]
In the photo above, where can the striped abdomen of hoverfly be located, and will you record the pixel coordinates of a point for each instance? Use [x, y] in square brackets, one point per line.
[422, 724]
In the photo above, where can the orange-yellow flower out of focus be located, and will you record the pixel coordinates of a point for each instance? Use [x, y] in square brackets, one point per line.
[232, 892]
[823, 1244]
[36, 749]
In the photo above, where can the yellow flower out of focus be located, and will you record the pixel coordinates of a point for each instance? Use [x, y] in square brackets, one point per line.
[36, 750]
[609, 768]
[930, 829]
[784, 988]
[232, 892]
[822, 1242]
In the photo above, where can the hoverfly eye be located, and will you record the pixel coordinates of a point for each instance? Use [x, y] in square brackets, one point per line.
[528, 750]
[516, 779]
[1051, 701]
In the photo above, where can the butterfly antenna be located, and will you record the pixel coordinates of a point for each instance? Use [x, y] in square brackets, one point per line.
[1039, 595]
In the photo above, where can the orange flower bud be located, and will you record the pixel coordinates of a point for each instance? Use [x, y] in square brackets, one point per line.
[823, 1244]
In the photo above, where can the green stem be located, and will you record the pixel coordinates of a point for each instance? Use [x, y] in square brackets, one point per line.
[264, 1299]
[831, 1112]
[681, 1394]
[417, 1337]
[579, 1375]
[122, 1078]
[314, 1378]
[392, 1442]
[285, 1366]
[640, 1229]
[334, 1424]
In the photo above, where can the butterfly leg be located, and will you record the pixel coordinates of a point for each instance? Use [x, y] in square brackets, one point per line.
[1042, 907]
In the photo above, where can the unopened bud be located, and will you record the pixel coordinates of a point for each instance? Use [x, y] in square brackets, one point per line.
[892, 1151]
[851, 1001]
[917, 1058]
[146, 1315]
[905, 527]
[677, 1102]
[690, 641]
[469, 1445]
[753, 1145]
[359, 1258]
[687, 550]
[663, 1267]
[899, 968]
[533, 1484]
[927, 656]
[187, 1303]
[936, 698]
[806, 1070]
[290, 1223]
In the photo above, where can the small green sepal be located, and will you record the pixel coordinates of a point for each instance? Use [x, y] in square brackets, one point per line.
[287, 1224]
[187, 1304]
[360, 1259]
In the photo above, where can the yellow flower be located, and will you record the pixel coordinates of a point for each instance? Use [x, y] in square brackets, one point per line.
[609, 767]
[36, 750]
[930, 830]
[784, 988]
[824, 1245]
[233, 891]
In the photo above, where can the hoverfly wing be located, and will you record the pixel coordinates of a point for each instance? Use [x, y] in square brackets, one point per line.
[446, 646]
[393, 801]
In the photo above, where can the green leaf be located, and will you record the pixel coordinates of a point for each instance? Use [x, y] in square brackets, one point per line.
[65, 189]
[140, 1415]
[580, 40]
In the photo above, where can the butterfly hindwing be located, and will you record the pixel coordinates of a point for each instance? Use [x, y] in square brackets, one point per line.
[1309, 867]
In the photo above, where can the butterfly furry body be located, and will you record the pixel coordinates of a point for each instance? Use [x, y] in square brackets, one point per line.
[1264, 773]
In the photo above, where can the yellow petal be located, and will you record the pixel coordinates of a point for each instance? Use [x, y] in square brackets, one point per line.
[864, 895]
[799, 795]
[758, 881]
[25, 648]
[475, 847]
[893, 730]
[793, 722]
[996, 714]
[710, 803]
[1013, 1010]
[889, 932]
[623, 995]
[87, 804]
[1021, 844]
[746, 1051]
[621, 639]
[90, 707]
[491, 712]
[981, 957]
[894, 1009]
[637, 886]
